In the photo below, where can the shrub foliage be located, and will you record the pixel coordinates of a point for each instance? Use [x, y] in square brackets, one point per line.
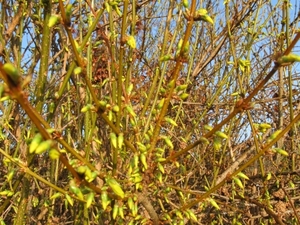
[149, 112]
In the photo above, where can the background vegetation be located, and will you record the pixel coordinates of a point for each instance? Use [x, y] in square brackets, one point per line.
[149, 112]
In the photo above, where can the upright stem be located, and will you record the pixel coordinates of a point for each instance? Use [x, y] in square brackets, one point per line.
[175, 74]
[43, 72]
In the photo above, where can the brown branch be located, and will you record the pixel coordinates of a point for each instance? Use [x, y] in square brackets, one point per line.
[143, 199]
[292, 205]
[239, 107]
[14, 23]
[244, 166]
[265, 207]
[235, 23]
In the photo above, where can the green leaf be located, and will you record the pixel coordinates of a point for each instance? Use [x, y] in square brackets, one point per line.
[165, 58]
[290, 58]
[68, 11]
[6, 193]
[178, 214]
[244, 65]
[53, 20]
[201, 14]
[185, 3]
[70, 200]
[130, 110]
[1, 90]
[161, 168]
[159, 177]
[184, 96]
[116, 8]
[120, 140]
[161, 103]
[214, 203]
[131, 41]
[115, 108]
[54, 154]
[92, 176]
[130, 203]
[171, 121]
[77, 70]
[44, 146]
[35, 143]
[129, 89]
[161, 159]
[221, 135]
[265, 126]
[86, 108]
[107, 6]
[121, 212]
[56, 195]
[171, 83]
[238, 182]
[81, 169]
[115, 186]
[105, 201]
[144, 160]
[89, 199]
[269, 176]
[217, 143]
[169, 142]
[274, 135]
[87, 174]
[181, 87]
[113, 139]
[242, 175]
[74, 189]
[207, 127]
[208, 19]
[10, 175]
[179, 45]
[204, 140]
[281, 151]
[141, 146]
[115, 211]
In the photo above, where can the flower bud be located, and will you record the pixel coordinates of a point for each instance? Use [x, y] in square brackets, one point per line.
[12, 73]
